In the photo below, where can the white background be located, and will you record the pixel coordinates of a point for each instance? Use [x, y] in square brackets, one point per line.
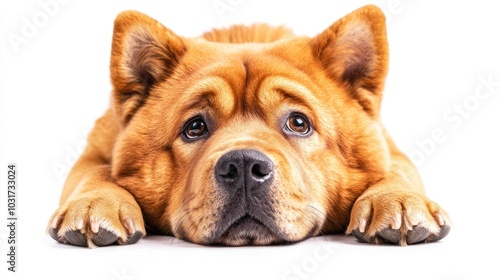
[56, 83]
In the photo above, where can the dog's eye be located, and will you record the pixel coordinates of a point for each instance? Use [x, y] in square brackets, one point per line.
[195, 129]
[298, 123]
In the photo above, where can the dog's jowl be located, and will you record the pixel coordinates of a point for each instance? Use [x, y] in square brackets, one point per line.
[245, 136]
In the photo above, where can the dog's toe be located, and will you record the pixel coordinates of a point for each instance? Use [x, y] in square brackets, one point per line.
[76, 237]
[417, 235]
[390, 235]
[53, 234]
[385, 236]
[134, 238]
[104, 237]
[94, 222]
[445, 230]
[360, 236]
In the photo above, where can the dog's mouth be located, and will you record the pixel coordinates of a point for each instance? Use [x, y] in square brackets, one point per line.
[248, 231]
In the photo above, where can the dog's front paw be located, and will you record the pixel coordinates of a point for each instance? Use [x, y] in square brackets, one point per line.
[401, 217]
[95, 220]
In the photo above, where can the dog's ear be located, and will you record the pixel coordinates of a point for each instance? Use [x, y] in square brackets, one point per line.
[143, 53]
[354, 52]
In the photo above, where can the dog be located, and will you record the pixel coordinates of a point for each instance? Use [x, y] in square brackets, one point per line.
[247, 135]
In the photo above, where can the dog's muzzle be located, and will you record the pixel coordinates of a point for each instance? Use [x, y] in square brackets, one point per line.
[245, 176]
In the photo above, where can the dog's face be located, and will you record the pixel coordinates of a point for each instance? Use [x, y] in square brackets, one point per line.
[252, 143]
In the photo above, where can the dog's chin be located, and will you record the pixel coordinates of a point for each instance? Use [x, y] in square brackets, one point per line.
[248, 231]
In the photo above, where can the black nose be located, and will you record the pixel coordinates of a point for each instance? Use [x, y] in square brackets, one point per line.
[244, 168]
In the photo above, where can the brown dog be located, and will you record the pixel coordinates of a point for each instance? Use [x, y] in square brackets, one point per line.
[246, 136]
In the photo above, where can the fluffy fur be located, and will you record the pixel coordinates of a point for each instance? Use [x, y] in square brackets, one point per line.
[140, 174]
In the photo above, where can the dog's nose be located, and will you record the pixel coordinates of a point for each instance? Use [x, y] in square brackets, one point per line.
[244, 168]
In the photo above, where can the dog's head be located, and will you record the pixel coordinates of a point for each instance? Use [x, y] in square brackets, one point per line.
[248, 143]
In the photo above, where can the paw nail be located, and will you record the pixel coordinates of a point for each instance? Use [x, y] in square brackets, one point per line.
[440, 219]
[129, 225]
[79, 224]
[397, 222]
[94, 226]
[362, 225]
[55, 222]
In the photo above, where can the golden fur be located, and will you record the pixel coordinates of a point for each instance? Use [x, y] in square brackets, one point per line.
[138, 173]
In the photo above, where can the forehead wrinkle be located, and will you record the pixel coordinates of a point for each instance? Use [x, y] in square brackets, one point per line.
[248, 103]
[287, 90]
[213, 91]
